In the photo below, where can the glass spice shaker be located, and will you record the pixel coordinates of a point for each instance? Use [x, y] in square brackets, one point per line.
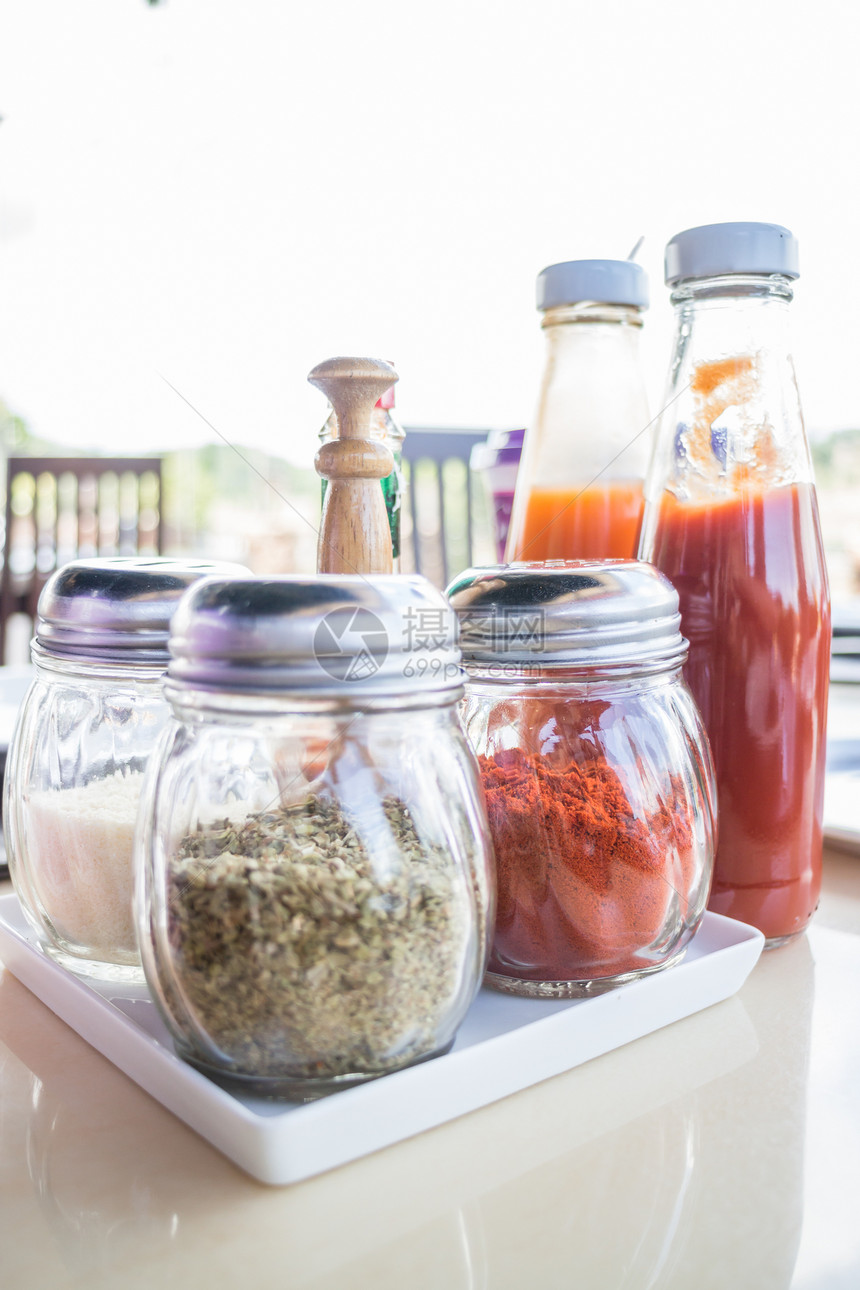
[84, 733]
[731, 518]
[314, 864]
[579, 487]
[596, 771]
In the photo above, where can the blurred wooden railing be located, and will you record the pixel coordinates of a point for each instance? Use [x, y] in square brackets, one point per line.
[60, 508]
[442, 500]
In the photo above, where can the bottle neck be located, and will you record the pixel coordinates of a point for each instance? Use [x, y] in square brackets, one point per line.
[733, 314]
[735, 286]
[590, 311]
[591, 405]
[732, 417]
[592, 398]
[593, 344]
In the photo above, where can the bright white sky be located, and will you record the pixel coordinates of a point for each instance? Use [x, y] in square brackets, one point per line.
[228, 191]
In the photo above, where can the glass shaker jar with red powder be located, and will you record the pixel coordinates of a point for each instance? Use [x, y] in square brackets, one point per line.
[595, 767]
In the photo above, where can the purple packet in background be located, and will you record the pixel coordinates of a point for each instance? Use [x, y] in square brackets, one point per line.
[497, 461]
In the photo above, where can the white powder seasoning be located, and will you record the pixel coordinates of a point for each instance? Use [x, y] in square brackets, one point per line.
[79, 850]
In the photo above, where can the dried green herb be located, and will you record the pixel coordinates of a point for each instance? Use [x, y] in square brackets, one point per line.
[309, 944]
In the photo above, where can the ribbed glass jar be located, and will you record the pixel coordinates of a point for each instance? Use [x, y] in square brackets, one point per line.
[315, 882]
[595, 768]
[85, 731]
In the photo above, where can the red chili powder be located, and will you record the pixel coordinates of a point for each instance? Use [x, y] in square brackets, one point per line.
[584, 885]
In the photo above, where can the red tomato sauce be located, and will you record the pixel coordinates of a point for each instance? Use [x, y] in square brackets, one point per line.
[755, 608]
[600, 522]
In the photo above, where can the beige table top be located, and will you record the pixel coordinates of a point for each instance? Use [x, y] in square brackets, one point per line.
[723, 1151]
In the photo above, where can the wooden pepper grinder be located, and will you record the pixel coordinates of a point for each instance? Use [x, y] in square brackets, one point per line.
[354, 535]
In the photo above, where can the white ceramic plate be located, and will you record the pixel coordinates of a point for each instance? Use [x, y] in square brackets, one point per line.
[504, 1044]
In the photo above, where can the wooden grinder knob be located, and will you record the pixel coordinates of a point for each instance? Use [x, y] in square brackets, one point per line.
[354, 535]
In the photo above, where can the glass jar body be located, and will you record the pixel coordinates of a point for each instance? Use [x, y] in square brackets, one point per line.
[315, 888]
[579, 488]
[73, 783]
[600, 801]
[731, 518]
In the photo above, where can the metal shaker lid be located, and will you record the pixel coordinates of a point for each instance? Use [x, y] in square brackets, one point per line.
[117, 609]
[329, 637]
[568, 614]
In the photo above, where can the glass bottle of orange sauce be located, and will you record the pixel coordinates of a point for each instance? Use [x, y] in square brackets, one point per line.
[731, 518]
[579, 488]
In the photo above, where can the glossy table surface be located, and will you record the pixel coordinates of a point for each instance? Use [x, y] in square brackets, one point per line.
[721, 1151]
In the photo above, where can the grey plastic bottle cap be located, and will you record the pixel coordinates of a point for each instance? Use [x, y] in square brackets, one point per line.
[610, 282]
[714, 249]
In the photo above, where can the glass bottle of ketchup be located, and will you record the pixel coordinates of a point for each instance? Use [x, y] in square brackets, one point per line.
[579, 487]
[731, 518]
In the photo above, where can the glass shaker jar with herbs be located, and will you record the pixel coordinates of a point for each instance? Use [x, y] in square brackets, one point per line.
[314, 878]
[596, 771]
[86, 728]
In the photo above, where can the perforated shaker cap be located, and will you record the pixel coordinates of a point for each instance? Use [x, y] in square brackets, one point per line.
[715, 249]
[573, 614]
[610, 282]
[117, 609]
[327, 637]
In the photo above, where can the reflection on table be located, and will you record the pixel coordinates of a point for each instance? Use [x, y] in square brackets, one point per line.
[644, 1168]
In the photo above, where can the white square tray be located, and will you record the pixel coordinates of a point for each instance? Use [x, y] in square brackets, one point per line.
[504, 1044]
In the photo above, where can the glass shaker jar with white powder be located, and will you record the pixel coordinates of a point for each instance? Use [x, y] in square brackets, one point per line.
[76, 761]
